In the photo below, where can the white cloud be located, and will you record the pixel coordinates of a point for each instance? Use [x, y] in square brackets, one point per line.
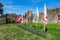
[6, 2]
[15, 9]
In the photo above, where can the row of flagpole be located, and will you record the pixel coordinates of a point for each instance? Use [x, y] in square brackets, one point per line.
[37, 16]
[44, 14]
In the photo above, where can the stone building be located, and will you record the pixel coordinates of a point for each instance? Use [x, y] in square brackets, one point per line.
[53, 15]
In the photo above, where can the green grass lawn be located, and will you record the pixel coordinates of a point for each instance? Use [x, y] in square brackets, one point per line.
[12, 32]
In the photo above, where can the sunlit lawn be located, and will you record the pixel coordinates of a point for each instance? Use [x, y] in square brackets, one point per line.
[12, 32]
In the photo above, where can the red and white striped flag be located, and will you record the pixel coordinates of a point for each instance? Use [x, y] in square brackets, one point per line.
[45, 15]
[19, 19]
[28, 16]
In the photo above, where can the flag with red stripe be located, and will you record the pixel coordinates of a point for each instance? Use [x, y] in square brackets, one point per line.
[19, 19]
[45, 15]
[28, 16]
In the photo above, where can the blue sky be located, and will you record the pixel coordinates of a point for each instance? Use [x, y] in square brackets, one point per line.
[21, 6]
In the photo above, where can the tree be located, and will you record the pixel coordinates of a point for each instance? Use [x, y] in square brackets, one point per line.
[1, 8]
[1, 5]
[11, 17]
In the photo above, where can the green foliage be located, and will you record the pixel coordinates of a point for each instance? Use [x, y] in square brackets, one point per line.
[25, 16]
[1, 5]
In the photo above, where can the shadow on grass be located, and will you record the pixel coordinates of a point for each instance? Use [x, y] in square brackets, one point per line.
[42, 34]
[2, 23]
[7, 23]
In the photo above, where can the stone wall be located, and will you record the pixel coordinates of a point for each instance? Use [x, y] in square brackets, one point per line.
[52, 15]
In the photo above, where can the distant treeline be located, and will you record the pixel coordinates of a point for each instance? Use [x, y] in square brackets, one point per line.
[8, 18]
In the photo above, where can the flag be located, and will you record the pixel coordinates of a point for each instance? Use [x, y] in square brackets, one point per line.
[28, 16]
[37, 14]
[19, 19]
[31, 16]
[45, 15]
[25, 15]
